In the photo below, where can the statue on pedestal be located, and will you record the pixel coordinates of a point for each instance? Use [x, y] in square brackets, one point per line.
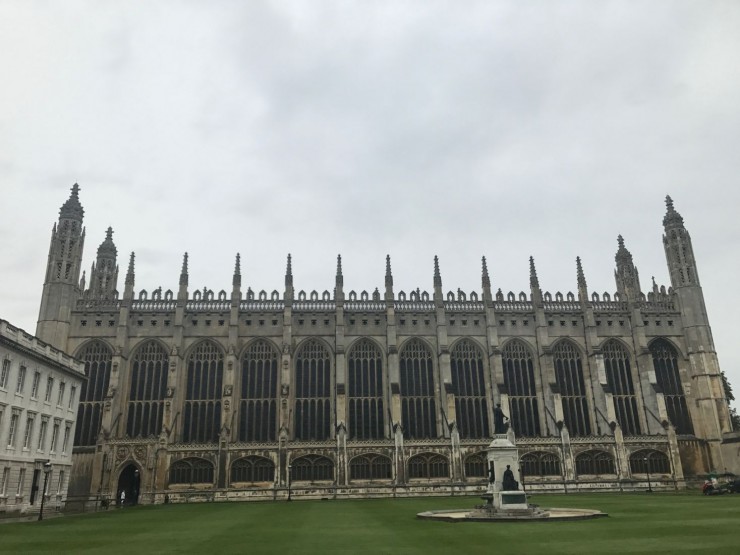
[499, 420]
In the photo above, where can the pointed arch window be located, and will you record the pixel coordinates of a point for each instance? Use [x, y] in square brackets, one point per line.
[418, 406]
[665, 362]
[471, 407]
[476, 466]
[595, 462]
[202, 410]
[365, 381]
[259, 390]
[540, 463]
[619, 378]
[191, 471]
[98, 358]
[649, 460]
[572, 388]
[253, 469]
[370, 467]
[312, 468]
[147, 390]
[312, 392]
[429, 465]
[518, 365]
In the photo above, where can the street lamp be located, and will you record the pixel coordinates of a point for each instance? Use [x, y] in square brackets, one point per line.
[137, 479]
[290, 468]
[47, 471]
[647, 471]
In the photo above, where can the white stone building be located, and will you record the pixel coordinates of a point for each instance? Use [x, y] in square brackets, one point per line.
[39, 391]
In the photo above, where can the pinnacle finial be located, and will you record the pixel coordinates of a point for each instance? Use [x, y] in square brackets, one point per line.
[130, 272]
[388, 274]
[485, 279]
[437, 276]
[184, 271]
[72, 209]
[534, 281]
[620, 241]
[672, 218]
[238, 265]
[339, 265]
[579, 270]
[107, 248]
[623, 256]
[109, 233]
[289, 268]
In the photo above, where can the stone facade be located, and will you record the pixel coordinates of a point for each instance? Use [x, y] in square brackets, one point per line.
[39, 390]
[205, 395]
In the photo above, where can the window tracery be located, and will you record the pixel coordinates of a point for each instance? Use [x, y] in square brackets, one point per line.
[518, 364]
[365, 381]
[312, 468]
[619, 378]
[429, 465]
[147, 390]
[98, 358]
[253, 469]
[191, 471]
[665, 362]
[370, 467]
[202, 410]
[418, 406]
[476, 466]
[572, 387]
[312, 392]
[468, 378]
[648, 460]
[540, 463]
[259, 390]
[594, 462]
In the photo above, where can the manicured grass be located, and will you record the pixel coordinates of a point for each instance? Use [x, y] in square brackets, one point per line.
[638, 523]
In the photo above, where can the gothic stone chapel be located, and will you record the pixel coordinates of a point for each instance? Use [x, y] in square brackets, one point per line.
[204, 395]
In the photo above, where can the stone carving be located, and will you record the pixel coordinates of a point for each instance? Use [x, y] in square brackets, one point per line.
[499, 420]
[140, 453]
[121, 453]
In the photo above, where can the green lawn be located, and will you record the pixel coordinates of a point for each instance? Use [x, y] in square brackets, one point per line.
[637, 523]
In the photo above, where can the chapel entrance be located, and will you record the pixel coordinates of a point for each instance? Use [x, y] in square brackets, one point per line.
[128, 482]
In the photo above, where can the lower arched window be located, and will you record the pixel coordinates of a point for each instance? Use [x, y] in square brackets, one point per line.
[191, 471]
[370, 467]
[595, 462]
[252, 469]
[311, 468]
[648, 460]
[429, 465]
[476, 466]
[540, 464]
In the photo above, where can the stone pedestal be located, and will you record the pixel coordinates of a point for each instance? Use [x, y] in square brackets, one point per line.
[503, 459]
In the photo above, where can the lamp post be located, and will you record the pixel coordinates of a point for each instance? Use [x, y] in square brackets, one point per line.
[135, 493]
[290, 469]
[47, 471]
[647, 471]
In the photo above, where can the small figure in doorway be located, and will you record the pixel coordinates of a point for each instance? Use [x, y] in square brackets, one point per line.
[123, 497]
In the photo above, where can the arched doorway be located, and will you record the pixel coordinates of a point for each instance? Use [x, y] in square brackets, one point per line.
[129, 482]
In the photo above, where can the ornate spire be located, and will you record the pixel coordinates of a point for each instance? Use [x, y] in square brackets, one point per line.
[289, 272]
[534, 282]
[107, 247]
[184, 271]
[237, 279]
[672, 218]
[388, 274]
[626, 274]
[579, 269]
[72, 209]
[340, 277]
[130, 272]
[485, 280]
[437, 276]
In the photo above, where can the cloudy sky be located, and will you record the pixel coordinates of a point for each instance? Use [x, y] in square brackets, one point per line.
[463, 129]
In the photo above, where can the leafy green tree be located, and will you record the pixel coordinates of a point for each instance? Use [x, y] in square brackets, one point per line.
[734, 416]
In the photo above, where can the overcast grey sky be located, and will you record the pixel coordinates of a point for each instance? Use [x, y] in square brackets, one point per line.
[462, 129]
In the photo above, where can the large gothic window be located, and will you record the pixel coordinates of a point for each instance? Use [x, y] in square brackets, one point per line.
[418, 407]
[665, 362]
[540, 463]
[312, 392]
[429, 465]
[97, 357]
[259, 389]
[476, 466]
[595, 462]
[148, 390]
[648, 460]
[311, 468]
[519, 382]
[471, 407]
[253, 469]
[365, 381]
[572, 387]
[370, 467]
[619, 378]
[191, 471]
[202, 411]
